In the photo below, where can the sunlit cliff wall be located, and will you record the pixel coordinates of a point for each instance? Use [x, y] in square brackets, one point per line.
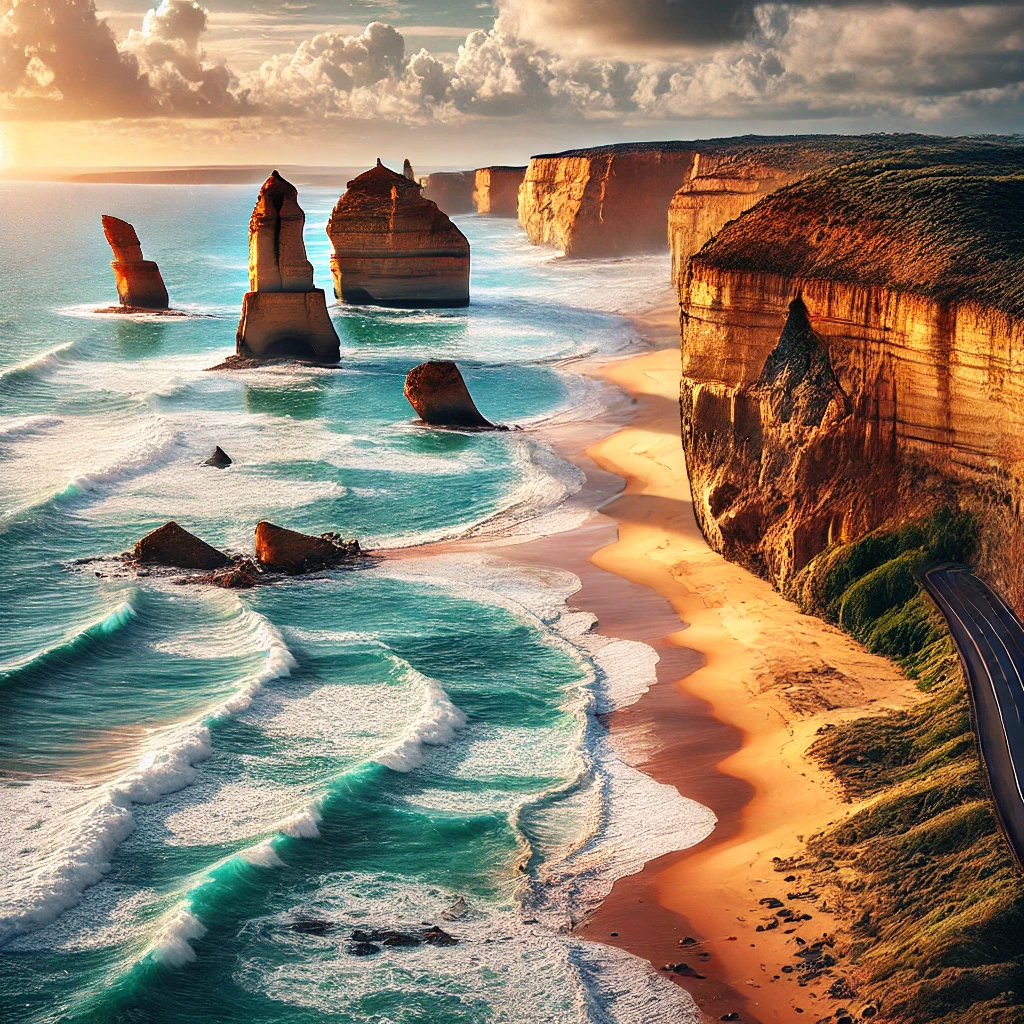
[902, 281]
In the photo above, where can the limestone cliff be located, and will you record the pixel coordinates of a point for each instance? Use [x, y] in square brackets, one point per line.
[283, 315]
[452, 191]
[902, 276]
[392, 247]
[496, 190]
[138, 280]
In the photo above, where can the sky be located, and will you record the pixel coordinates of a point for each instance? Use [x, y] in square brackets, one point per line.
[456, 83]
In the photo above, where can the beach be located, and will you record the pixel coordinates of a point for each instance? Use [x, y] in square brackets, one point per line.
[745, 683]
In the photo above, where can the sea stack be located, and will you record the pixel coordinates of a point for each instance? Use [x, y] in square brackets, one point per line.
[408, 171]
[283, 315]
[294, 553]
[496, 191]
[438, 393]
[451, 190]
[139, 284]
[392, 247]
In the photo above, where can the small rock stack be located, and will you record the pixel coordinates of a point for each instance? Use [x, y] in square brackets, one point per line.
[139, 284]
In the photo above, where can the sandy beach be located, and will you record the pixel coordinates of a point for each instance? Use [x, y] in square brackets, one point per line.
[744, 684]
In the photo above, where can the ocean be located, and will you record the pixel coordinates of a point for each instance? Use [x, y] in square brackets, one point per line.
[204, 793]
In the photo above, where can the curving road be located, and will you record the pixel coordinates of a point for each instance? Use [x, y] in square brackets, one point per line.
[990, 638]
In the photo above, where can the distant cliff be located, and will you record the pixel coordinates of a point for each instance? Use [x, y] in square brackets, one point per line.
[613, 200]
[853, 344]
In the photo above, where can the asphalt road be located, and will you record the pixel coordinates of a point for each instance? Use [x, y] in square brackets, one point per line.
[990, 638]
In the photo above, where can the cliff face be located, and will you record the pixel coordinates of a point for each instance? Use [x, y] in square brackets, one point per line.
[392, 247]
[452, 191]
[908, 279]
[603, 202]
[496, 190]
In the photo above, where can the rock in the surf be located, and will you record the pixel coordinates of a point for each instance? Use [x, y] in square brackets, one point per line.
[438, 393]
[392, 247]
[283, 315]
[294, 553]
[139, 284]
[173, 546]
[219, 458]
[240, 574]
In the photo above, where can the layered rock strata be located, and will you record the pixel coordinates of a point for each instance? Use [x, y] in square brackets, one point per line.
[496, 190]
[452, 191]
[392, 247]
[294, 553]
[138, 280]
[904, 278]
[438, 393]
[283, 315]
[173, 546]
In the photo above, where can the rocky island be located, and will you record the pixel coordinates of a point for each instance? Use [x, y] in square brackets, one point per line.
[283, 315]
[392, 247]
[452, 191]
[139, 283]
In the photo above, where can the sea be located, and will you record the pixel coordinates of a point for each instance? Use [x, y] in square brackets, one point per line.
[205, 792]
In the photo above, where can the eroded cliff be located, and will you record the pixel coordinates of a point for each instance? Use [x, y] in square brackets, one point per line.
[905, 276]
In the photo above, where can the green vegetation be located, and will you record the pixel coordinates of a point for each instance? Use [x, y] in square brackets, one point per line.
[934, 900]
[946, 222]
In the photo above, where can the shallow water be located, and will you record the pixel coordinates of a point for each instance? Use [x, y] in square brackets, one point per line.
[187, 772]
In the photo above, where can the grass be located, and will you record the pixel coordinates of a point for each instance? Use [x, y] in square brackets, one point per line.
[934, 901]
[943, 221]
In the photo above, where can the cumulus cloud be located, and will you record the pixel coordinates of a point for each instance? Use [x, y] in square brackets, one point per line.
[59, 59]
[792, 61]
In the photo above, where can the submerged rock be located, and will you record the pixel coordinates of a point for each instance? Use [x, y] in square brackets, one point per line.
[361, 949]
[219, 458]
[438, 393]
[392, 247]
[283, 315]
[292, 552]
[139, 284]
[173, 546]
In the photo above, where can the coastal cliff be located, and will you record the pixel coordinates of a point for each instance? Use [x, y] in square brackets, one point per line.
[903, 279]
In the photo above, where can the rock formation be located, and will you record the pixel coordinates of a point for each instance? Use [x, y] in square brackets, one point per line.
[172, 546]
[139, 284]
[283, 315]
[219, 458]
[452, 191]
[392, 247]
[909, 284]
[408, 171]
[496, 190]
[438, 393]
[294, 553]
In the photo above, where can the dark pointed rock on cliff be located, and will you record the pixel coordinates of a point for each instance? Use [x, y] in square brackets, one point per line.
[292, 552]
[173, 546]
[438, 393]
[219, 458]
[408, 171]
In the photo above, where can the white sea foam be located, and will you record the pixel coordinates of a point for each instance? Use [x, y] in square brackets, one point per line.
[435, 726]
[177, 931]
[87, 837]
[27, 426]
[44, 361]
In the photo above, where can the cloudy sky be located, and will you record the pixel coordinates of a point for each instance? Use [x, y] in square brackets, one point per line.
[461, 82]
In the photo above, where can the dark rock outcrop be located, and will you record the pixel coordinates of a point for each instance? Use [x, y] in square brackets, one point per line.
[392, 247]
[219, 458]
[438, 393]
[139, 284]
[452, 191]
[295, 553]
[496, 190]
[408, 171]
[283, 315]
[173, 546]
[239, 574]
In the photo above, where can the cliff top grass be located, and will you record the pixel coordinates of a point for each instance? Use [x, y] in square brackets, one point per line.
[943, 221]
[864, 146]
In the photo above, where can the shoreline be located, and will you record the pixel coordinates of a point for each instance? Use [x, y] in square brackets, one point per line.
[745, 681]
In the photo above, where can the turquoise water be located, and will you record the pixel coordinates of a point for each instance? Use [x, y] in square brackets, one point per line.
[185, 772]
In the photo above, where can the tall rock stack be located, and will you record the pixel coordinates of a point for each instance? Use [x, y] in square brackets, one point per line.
[139, 284]
[496, 191]
[451, 190]
[283, 315]
[392, 247]
[408, 171]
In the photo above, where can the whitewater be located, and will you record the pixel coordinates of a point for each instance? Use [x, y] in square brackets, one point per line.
[189, 777]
